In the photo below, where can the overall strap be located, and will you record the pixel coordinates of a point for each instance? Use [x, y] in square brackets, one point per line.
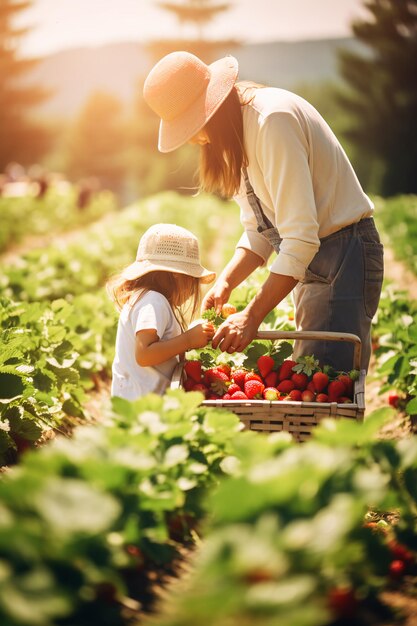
[262, 220]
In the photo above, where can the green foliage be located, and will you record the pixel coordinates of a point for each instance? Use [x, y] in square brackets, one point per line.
[382, 91]
[56, 211]
[397, 219]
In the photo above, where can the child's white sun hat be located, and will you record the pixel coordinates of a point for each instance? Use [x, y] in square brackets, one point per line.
[170, 248]
[185, 93]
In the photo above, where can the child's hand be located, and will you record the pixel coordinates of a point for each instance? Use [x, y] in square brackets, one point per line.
[200, 335]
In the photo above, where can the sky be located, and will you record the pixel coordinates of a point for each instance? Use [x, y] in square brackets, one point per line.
[62, 24]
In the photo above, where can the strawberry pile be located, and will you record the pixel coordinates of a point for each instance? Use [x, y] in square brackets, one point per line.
[295, 381]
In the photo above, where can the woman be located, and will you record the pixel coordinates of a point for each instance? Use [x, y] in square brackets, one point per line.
[299, 196]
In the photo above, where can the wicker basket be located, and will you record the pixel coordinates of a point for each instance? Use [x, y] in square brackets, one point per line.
[297, 418]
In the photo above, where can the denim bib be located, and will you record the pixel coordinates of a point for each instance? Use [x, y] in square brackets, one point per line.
[265, 227]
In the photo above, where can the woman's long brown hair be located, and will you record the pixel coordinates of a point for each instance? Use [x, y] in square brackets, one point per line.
[177, 288]
[222, 159]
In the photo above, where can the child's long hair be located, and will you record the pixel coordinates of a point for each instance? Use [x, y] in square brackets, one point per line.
[222, 159]
[177, 288]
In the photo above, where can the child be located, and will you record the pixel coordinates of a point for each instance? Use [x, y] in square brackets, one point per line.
[150, 295]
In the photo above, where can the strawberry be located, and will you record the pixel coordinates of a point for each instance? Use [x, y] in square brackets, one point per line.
[348, 383]
[228, 309]
[320, 380]
[285, 386]
[232, 388]
[238, 376]
[308, 396]
[393, 399]
[254, 389]
[239, 395]
[271, 379]
[202, 388]
[271, 393]
[265, 364]
[224, 367]
[189, 384]
[300, 381]
[285, 371]
[295, 395]
[397, 569]
[253, 376]
[344, 400]
[227, 396]
[336, 388]
[311, 387]
[342, 601]
[399, 551]
[193, 370]
[219, 381]
[322, 397]
[213, 396]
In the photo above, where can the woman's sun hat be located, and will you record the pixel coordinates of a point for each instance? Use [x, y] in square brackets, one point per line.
[171, 248]
[185, 93]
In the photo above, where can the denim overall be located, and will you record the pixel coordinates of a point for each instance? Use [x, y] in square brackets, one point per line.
[341, 288]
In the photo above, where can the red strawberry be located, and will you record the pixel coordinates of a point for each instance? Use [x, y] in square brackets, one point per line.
[253, 376]
[193, 370]
[397, 569]
[348, 383]
[336, 388]
[202, 388]
[300, 381]
[232, 388]
[238, 376]
[322, 397]
[265, 364]
[224, 367]
[254, 389]
[239, 395]
[342, 601]
[393, 399]
[189, 384]
[285, 386]
[219, 381]
[272, 379]
[311, 387]
[308, 396]
[295, 395]
[213, 396]
[344, 400]
[401, 552]
[320, 380]
[285, 371]
[271, 393]
[227, 396]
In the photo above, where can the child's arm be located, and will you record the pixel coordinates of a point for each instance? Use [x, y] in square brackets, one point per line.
[149, 350]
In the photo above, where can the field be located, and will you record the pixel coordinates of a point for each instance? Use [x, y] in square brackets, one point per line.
[164, 511]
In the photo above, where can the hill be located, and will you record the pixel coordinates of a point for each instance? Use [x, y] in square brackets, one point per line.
[72, 75]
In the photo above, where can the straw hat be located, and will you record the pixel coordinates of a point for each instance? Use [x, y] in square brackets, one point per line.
[168, 247]
[185, 93]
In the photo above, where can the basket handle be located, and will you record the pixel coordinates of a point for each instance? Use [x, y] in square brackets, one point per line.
[323, 335]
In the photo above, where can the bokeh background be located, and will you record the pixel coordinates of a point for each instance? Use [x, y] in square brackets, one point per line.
[71, 77]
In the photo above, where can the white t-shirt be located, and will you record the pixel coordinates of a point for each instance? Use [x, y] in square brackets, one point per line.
[302, 177]
[130, 380]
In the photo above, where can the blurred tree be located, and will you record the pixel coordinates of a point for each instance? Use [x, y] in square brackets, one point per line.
[198, 13]
[382, 98]
[97, 144]
[21, 137]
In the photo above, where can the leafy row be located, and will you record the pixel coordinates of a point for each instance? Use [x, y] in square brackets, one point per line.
[397, 218]
[62, 270]
[56, 211]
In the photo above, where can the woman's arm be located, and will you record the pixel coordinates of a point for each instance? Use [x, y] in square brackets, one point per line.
[240, 328]
[241, 265]
[150, 351]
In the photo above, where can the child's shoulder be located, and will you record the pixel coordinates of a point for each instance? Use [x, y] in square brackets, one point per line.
[148, 297]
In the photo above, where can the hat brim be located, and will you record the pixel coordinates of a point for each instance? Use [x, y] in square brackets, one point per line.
[140, 268]
[175, 133]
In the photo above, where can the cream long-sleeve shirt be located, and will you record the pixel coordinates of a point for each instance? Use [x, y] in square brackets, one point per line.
[302, 177]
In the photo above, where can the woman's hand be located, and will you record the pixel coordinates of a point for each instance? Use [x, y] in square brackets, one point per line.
[199, 335]
[235, 333]
[216, 297]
